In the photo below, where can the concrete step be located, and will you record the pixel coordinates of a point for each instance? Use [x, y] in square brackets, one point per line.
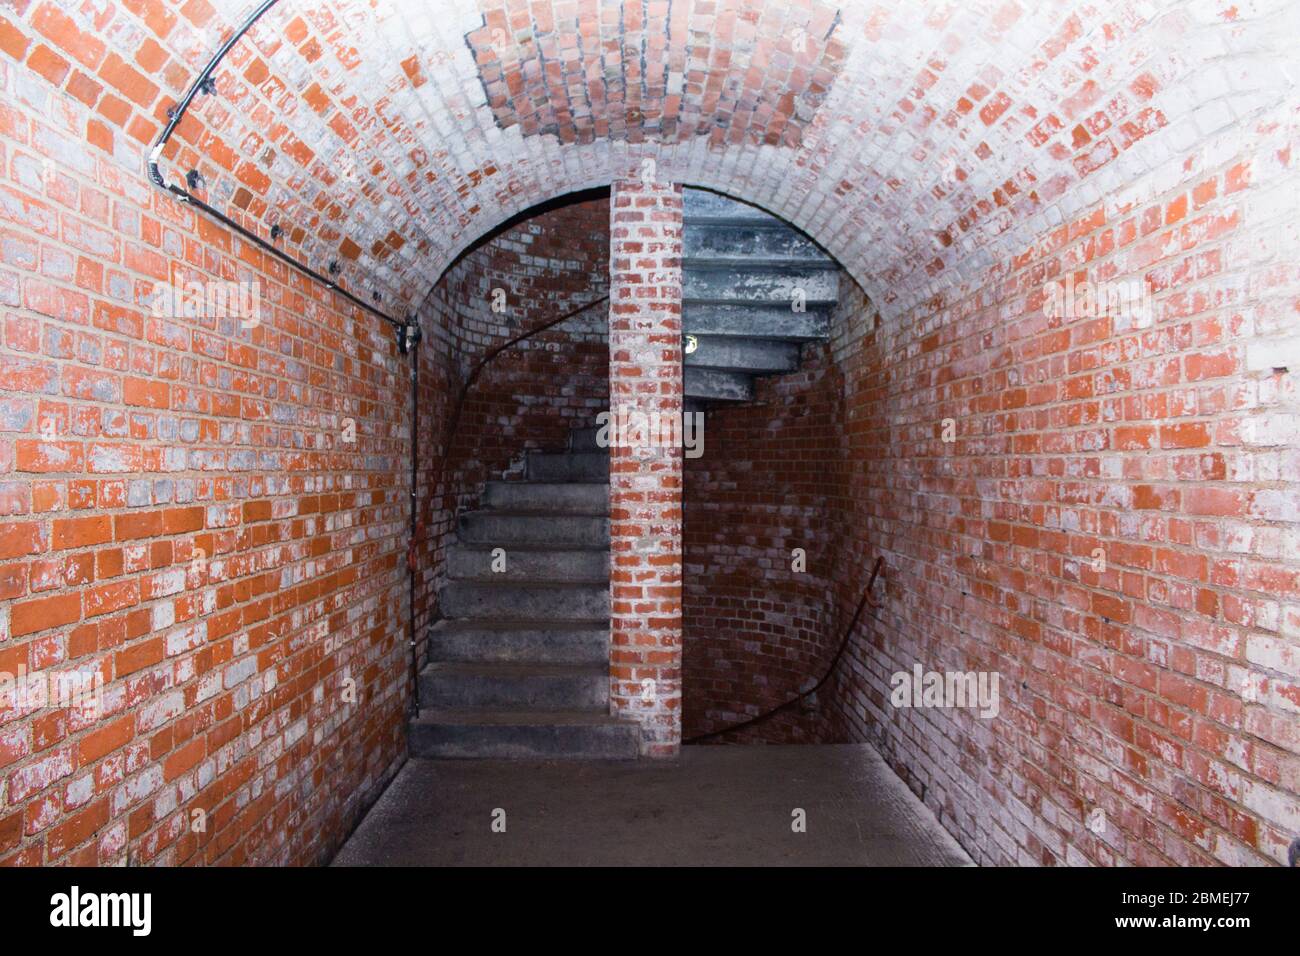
[747, 242]
[717, 281]
[480, 600]
[712, 384]
[569, 466]
[584, 439]
[570, 498]
[504, 529]
[533, 643]
[700, 205]
[756, 356]
[757, 320]
[532, 564]
[454, 685]
[513, 735]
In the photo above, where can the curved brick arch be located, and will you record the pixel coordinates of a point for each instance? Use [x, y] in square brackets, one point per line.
[922, 146]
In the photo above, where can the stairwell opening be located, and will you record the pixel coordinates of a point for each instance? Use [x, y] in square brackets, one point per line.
[762, 507]
[513, 548]
[513, 579]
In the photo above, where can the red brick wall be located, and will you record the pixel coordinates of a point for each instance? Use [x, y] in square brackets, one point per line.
[757, 632]
[645, 490]
[1160, 687]
[181, 511]
[131, 442]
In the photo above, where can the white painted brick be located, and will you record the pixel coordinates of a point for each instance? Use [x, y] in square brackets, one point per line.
[1268, 354]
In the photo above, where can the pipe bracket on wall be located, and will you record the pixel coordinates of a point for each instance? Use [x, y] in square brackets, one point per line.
[409, 335]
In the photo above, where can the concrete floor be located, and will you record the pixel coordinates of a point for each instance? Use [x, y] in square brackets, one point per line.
[716, 805]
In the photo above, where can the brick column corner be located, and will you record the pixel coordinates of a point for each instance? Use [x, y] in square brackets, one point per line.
[645, 486]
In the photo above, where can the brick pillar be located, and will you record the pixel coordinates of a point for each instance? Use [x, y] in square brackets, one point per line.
[645, 484]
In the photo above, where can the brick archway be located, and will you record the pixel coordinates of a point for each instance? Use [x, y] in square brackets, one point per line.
[905, 141]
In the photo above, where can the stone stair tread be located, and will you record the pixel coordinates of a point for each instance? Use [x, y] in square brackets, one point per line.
[728, 210]
[575, 481]
[704, 204]
[478, 733]
[584, 581]
[551, 482]
[759, 263]
[536, 513]
[535, 495]
[512, 527]
[530, 562]
[717, 384]
[569, 467]
[812, 301]
[757, 321]
[565, 453]
[499, 717]
[532, 547]
[762, 336]
[757, 220]
[514, 684]
[751, 356]
[512, 669]
[542, 585]
[505, 625]
[549, 641]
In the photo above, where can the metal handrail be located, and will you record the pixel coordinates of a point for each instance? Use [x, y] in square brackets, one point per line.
[202, 83]
[867, 599]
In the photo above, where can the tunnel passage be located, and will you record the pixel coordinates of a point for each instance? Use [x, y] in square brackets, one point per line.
[1062, 409]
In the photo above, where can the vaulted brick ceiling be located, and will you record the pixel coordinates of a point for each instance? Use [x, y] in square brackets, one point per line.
[922, 143]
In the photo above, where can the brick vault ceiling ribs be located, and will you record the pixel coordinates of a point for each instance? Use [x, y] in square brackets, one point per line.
[921, 144]
[765, 89]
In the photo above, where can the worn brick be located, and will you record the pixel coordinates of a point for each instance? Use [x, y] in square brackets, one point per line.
[950, 177]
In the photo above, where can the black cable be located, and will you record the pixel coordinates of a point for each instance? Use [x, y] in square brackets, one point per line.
[844, 643]
[414, 533]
